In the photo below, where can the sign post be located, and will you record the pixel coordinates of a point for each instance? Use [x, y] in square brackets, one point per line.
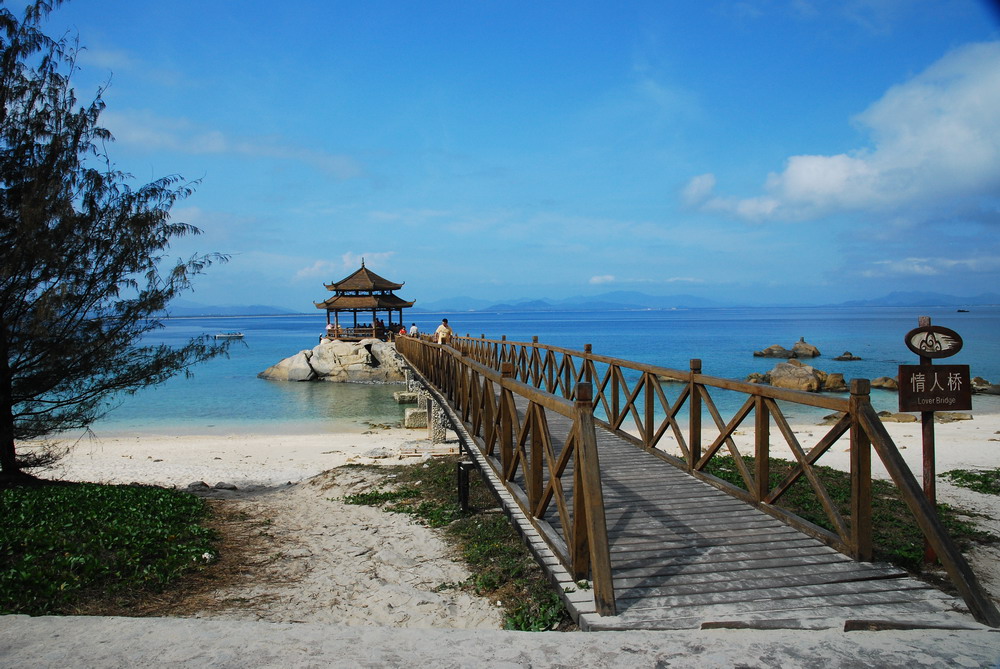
[927, 388]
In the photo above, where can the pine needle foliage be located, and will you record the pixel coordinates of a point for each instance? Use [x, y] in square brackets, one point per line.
[83, 272]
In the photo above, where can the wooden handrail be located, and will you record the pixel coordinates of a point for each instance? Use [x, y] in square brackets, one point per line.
[624, 390]
[523, 453]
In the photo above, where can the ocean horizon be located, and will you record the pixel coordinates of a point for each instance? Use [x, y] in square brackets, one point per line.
[225, 396]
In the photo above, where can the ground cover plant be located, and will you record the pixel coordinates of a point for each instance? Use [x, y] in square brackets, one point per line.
[896, 535]
[71, 545]
[502, 567]
[986, 481]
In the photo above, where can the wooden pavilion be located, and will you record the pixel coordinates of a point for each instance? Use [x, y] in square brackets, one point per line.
[364, 292]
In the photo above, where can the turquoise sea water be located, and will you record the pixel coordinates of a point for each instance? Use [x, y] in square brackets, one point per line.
[225, 395]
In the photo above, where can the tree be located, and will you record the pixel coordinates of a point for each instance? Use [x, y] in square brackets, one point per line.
[83, 273]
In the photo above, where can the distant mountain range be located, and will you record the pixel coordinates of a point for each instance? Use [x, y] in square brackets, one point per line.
[181, 308]
[632, 300]
[918, 299]
[613, 301]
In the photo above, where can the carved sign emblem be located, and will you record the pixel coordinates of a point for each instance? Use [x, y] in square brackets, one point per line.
[933, 341]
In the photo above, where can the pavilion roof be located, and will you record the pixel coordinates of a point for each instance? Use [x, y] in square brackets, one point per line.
[363, 280]
[369, 302]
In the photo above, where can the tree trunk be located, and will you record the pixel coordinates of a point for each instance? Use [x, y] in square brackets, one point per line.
[8, 456]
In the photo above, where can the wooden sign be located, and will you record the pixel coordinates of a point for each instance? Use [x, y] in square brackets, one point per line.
[933, 341]
[935, 388]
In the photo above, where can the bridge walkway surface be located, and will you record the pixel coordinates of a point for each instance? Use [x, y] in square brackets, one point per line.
[686, 555]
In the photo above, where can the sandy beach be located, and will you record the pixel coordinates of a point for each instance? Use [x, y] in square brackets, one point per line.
[330, 567]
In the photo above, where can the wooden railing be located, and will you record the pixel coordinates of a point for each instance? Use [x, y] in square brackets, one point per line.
[630, 399]
[546, 475]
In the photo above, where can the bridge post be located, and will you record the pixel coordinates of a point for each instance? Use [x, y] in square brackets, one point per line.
[506, 421]
[590, 550]
[694, 415]
[762, 449]
[861, 474]
[536, 381]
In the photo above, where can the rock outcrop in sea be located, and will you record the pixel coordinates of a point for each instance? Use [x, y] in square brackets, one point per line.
[800, 349]
[366, 361]
[796, 375]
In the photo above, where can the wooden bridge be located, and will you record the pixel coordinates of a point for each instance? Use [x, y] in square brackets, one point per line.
[634, 530]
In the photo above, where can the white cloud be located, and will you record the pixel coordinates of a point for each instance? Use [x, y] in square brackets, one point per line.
[604, 278]
[917, 266]
[320, 269]
[157, 133]
[111, 59]
[698, 189]
[935, 145]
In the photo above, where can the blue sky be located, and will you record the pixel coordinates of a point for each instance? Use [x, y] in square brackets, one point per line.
[768, 151]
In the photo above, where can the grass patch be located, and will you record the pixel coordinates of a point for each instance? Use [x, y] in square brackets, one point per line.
[895, 534]
[65, 544]
[986, 481]
[502, 567]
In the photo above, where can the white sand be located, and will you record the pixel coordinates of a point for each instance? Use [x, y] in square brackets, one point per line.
[350, 565]
[325, 561]
[241, 459]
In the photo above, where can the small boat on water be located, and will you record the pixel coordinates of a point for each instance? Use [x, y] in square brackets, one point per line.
[229, 335]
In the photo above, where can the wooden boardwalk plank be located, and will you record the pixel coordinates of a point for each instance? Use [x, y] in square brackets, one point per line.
[685, 554]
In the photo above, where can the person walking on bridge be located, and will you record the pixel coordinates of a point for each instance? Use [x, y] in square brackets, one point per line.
[443, 332]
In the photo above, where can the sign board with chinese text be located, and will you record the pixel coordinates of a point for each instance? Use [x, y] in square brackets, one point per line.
[935, 388]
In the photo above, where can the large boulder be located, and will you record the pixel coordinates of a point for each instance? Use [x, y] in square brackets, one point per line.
[834, 383]
[981, 385]
[847, 355]
[292, 368]
[367, 361]
[774, 351]
[802, 349]
[885, 383]
[795, 377]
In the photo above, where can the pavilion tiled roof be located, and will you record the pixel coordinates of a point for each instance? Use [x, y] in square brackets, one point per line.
[363, 279]
[364, 302]
[364, 290]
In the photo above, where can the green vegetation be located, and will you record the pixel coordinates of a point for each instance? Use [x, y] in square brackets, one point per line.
[64, 544]
[502, 567]
[896, 536]
[986, 481]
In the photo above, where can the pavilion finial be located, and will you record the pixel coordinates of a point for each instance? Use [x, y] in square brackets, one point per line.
[362, 262]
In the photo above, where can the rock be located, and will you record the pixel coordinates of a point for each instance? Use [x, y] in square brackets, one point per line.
[415, 418]
[775, 351]
[795, 377]
[757, 377]
[406, 397]
[222, 485]
[886, 383]
[889, 417]
[801, 349]
[984, 387]
[832, 418]
[834, 383]
[847, 355]
[378, 453]
[293, 368]
[197, 485]
[950, 416]
[367, 361]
